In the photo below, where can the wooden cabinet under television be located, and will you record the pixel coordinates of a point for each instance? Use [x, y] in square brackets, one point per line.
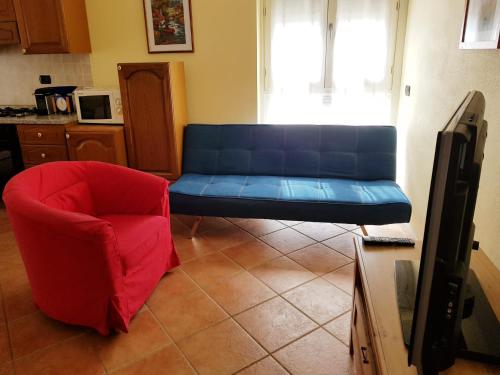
[154, 110]
[52, 26]
[96, 142]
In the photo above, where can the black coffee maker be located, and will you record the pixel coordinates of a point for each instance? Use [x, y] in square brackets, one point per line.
[54, 99]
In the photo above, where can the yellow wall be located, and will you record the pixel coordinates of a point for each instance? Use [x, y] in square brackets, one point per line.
[440, 75]
[221, 74]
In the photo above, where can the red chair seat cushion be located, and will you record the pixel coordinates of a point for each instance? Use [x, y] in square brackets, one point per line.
[136, 236]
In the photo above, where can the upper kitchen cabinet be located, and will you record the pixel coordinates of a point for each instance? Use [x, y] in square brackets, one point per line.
[8, 26]
[7, 11]
[52, 26]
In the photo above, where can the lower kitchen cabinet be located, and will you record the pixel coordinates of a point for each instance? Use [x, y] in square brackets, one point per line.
[42, 143]
[97, 142]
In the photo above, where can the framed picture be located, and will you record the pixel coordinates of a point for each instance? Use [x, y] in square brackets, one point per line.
[168, 25]
[481, 27]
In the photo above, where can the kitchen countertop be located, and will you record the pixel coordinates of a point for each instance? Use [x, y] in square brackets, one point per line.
[40, 120]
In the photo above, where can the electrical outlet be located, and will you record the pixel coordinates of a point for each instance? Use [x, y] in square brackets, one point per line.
[45, 79]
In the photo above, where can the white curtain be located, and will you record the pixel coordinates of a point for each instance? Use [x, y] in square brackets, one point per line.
[297, 45]
[361, 47]
[329, 61]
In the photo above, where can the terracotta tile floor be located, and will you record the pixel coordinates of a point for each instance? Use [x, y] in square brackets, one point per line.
[251, 297]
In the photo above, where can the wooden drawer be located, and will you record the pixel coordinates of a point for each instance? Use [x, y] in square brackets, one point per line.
[8, 33]
[41, 134]
[42, 154]
[364, 359]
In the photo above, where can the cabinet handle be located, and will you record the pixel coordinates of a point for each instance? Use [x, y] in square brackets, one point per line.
[67, 136]
[43, 155]
[363, 354]
[39, 135]
[23, 50]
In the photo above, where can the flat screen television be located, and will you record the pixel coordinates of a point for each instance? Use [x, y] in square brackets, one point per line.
[444, 312]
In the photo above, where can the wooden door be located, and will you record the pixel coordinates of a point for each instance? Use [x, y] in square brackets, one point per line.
[41, 26]
[148, 117]
[7, 11]
[104, 144]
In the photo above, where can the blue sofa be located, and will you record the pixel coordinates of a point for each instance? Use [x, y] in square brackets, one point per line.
[323, 173]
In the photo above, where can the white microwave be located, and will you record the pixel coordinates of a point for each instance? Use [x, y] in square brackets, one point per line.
[96, 106]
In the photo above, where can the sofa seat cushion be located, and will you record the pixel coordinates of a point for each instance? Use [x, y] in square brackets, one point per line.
[279, 197]
[136, 235]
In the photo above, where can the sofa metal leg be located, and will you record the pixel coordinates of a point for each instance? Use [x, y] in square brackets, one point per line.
[195, 226]
[363, 230]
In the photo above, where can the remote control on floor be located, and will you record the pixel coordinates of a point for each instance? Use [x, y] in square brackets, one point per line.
[388, 241]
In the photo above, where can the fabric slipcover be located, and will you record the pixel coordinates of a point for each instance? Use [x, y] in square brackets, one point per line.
[329, 173]
[94, 237]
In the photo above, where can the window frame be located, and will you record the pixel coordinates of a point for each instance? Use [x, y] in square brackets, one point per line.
[326, 87]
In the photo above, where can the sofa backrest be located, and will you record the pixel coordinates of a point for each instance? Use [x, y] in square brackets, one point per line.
[331, 151]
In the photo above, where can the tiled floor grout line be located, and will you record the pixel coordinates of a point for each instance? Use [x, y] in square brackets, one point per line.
[141, 357]
[326, 239]
[250, 365]
[277, 293]
[315, 242]
[263, 282]
[337, 317]
[319, 326]
[232, 317]
[229, 315]
[264, 234]
[163, 328]
[14, 360]
[291, 342]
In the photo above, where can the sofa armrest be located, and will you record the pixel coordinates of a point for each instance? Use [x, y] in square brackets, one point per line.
[120, 190]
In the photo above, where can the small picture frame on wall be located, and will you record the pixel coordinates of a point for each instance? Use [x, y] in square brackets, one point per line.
[481, 27]
[168, 25]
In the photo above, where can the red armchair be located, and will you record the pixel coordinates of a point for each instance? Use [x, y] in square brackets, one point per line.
[94, 237]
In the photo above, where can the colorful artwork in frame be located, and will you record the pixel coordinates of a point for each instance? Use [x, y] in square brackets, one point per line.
[168, 25]
[481, 27]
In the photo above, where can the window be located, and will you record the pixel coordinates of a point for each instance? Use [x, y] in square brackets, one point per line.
[328, 61]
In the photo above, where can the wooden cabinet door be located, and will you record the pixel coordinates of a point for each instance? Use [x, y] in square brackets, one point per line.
[99, 145]
[147, 112]
[8, 33]
[7, 11]
[41, 26]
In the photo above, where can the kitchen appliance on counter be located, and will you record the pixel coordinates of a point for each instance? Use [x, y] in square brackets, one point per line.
[55, 99]
[17, 112]
[98, 106]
